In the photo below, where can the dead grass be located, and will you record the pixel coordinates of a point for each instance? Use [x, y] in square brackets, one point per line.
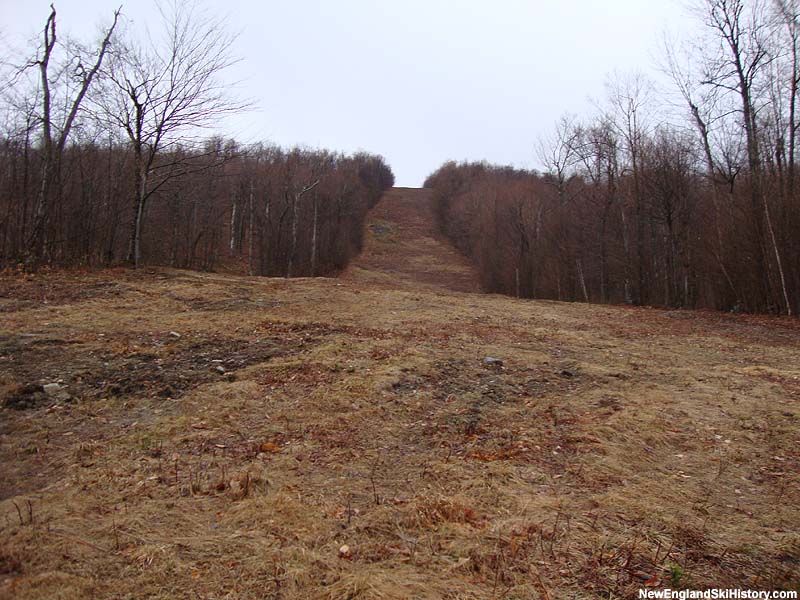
[613, 449]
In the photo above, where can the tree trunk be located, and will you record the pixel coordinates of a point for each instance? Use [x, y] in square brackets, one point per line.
[54, 149]
[718, 253]
[233, 227]
[582, 281]
[604, 253]
[136, 235]
[314, 238]
[250, 233]
[266, 238]
[39, 231]
[771, 230]
[293, 243]
[627, 246]
[295, 208]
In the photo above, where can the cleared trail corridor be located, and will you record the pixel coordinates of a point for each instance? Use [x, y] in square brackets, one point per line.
[404, 247]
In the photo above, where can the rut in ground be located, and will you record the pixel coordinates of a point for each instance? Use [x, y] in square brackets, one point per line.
[403, 246]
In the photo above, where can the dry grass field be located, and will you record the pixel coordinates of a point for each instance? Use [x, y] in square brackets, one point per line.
[230, 437]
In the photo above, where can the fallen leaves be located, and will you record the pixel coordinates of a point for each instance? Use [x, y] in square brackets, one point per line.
[503, 453]
[269, 447]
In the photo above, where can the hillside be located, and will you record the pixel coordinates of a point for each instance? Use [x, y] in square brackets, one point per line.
[393, 433]
[405, 250]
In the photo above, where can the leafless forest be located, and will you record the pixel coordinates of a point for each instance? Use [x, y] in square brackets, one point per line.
[104, 163]
[634, 208]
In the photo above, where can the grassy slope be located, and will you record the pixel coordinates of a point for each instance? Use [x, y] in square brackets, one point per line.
[356, 445]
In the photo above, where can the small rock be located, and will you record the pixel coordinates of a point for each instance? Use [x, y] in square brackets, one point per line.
[174, 334]
[220, 369]
[344, 551]
[567, 373]
[496, 362]
[57, 391]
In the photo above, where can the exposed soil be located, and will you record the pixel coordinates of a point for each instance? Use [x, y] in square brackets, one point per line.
[405, 248]
[393, 433]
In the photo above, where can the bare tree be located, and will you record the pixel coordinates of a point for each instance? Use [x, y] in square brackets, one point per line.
[743, 33]
[163, 95]
[557, 154]
[701, 110]
[629, 97]
[295, 195]
[790, 12]
[598, 150]
[56, 134]
[787, 84]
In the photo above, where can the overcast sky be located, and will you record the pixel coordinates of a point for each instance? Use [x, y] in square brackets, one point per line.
[418, 81]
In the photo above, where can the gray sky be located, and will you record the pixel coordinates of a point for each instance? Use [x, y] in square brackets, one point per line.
[418, 81]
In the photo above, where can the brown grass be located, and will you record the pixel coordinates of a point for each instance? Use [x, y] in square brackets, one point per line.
[614, 448]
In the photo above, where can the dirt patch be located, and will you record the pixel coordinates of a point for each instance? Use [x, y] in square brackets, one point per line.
[166, 369]
[25, 397]
[27, 291]
[180, 368]
[240, 303]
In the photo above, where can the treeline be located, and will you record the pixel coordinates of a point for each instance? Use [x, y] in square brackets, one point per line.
[702, 213]
[580, 240]
[257, 209]
[102, 162]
